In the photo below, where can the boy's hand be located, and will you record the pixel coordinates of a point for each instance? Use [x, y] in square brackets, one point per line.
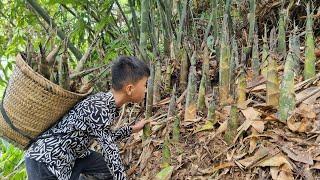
[139, 125]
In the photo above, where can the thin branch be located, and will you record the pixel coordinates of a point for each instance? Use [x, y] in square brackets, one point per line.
[87, 54]
[75, 15]
[130, 30]
[44, 14]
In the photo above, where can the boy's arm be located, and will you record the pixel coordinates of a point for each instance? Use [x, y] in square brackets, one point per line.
[121, 133]
[111, 155]
[126, 131]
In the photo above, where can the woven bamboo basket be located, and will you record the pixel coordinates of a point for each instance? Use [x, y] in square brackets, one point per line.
[32, 104]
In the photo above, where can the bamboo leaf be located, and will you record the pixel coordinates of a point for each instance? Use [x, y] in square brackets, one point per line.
[165, 174]
[207, 126]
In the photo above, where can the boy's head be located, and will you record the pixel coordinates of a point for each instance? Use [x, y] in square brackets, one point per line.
[130, 75]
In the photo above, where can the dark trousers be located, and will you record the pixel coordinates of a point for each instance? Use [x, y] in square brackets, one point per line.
[92, 167]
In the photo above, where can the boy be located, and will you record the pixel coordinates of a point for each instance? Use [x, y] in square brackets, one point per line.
[62, 152]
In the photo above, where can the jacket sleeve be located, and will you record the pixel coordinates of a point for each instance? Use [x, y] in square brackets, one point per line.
[122, 133]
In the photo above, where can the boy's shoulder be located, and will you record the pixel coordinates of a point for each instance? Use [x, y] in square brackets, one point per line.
[104, 100]
[99, 98]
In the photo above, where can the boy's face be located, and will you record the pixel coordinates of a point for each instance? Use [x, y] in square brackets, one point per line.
[137, 91]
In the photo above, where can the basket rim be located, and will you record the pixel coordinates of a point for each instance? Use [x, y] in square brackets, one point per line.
[44, 82]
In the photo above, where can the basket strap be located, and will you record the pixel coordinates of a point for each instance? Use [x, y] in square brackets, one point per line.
[9, 122]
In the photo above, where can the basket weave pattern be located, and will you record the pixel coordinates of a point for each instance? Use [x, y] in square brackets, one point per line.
[33, 104]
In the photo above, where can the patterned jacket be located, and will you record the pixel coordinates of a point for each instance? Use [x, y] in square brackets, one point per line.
[70, 138]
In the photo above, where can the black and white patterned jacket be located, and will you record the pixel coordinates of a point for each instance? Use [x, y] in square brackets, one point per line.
[70, 138]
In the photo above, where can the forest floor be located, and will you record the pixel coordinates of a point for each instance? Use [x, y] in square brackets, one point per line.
[264, 147]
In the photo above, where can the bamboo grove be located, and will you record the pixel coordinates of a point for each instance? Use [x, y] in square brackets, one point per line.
[239, 59]
[204, 56]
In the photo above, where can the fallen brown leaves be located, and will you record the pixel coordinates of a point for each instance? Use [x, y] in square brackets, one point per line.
[263, 148]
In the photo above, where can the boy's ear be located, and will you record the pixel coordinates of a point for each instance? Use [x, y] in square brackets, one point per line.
[129, 89]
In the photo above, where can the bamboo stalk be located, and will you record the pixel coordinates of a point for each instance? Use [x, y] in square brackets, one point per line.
[51, 58]
[295, 46]
[184, 69]
[85, 57]
[309, 65]
[201, 95]
[144, 30]
[234, 63]
[235, 53]
[215, 24]
[204, 80]
[224, 69]
[265, 54]
[135, 25]
[206, 65]
[172, 104]
[190, 110]
[272, 76]
[157, 82]
[165, 26]
[167, 76]
[166, 154]
[64, 71]
[134, 41]
[87, 71]
[233, 124]
[242, 85]
[147, 128]
[29, 52]
[182, 22]
[54, 76]
[212, 109]
[227, 8]
[252, 21]
[176, 130]
[43, 67]
[255, 63]
[282, 48]
[172, 114]
[287, 93]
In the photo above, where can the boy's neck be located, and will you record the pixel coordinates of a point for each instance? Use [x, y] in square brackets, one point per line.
[119, 98]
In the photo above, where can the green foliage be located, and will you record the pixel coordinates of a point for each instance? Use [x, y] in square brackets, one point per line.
[11, 162]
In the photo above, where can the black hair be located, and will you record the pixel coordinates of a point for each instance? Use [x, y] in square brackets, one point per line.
[128, 69]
